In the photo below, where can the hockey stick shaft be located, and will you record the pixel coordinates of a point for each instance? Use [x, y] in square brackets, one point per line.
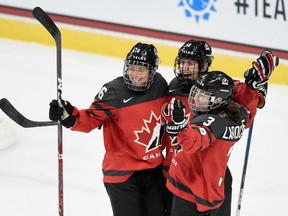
[51, 27]
[17, 117]
[244, 170]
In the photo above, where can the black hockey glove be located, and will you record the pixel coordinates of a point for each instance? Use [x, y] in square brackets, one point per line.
[175, 116]
[261, 71]
[63, 111]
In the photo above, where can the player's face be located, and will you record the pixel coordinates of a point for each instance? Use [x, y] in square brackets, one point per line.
[138, 75]
[201, 100]
[189, 68]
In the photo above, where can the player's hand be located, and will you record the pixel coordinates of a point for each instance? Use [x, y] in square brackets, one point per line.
[261, 71]
[63, 111]
[175, 116]
[262, 93]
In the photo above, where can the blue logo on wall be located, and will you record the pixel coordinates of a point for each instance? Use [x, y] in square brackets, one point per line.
[199, 9]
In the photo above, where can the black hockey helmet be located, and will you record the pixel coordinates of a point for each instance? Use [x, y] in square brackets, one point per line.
[211, 93]
[199, 51]
[145, 55]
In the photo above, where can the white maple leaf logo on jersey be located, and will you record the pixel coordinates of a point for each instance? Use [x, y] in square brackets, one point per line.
[155, 128]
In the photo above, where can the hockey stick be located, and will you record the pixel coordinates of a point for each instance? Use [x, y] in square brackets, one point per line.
[51, 27]
[17, 117]
[244, 170]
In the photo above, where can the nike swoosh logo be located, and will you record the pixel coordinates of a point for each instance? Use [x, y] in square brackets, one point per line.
[126, 100]
[171, 90]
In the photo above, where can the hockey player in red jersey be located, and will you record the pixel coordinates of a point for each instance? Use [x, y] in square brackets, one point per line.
[128, 109]
[197, 172]
[194, 59]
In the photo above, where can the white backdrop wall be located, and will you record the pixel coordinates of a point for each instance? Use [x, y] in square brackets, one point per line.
[253, 22]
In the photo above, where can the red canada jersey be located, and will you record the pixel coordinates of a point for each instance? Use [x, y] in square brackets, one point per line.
[243, 95]
[133, 131]
[200, 159]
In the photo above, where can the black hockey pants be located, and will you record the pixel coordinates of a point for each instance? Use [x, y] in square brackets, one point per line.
[140, 195]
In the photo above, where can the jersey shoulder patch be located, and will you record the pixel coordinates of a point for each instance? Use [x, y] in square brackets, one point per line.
[116, 93]
[221, 128]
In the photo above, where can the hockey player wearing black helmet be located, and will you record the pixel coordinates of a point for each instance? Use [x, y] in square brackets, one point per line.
[140, 67]
[132, 164]
[193, 60]
[197, 176]
[211, 93]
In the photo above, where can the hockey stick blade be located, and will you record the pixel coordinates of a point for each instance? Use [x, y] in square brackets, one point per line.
[17, 117]
[47, 22]
[51, 27]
